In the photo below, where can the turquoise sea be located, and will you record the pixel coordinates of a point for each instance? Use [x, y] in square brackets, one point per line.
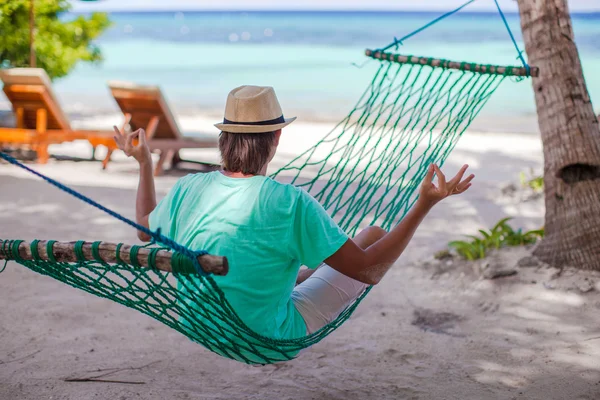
[314, 59]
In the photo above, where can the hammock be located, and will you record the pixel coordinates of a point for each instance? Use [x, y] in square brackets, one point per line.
[364, 172]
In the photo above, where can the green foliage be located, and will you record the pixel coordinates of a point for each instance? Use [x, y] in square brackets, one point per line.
[501, 235]
[535, 183]
[59, 44]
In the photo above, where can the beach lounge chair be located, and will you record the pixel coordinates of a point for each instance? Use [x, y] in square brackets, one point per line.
[40, 120]
[145, 107]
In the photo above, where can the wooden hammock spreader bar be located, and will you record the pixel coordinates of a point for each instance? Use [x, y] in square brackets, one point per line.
[463, 66]
[65, 252]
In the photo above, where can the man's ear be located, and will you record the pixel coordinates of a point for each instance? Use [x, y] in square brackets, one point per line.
[277, 136]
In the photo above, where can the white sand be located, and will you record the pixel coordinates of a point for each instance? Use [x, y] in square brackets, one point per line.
[524, 337]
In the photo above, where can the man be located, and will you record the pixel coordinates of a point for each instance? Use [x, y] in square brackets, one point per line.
[268, 229]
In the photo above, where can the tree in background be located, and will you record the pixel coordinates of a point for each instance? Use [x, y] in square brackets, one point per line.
[570, 135]
[59, 43]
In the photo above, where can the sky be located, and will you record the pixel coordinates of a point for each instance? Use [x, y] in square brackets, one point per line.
[415, 5]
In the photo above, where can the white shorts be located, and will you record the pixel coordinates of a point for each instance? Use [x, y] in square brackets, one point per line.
[324, 295]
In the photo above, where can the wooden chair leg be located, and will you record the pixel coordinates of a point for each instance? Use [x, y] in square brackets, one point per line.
[20, 117]
[42, 153]
[176, 159]
[42, 145]
[165, 156]
[107, 159]
[152, 126]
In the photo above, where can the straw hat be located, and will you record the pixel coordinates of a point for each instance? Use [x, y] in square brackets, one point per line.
[253, 109]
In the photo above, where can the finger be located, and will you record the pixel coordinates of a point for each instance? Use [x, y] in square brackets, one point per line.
[469, 178]
[465, 182]
[461, 191]
[118, 136]
[132, 136]
[441, 177]
[429, 177]
[142, 135]
[456, 180]
[118, 141]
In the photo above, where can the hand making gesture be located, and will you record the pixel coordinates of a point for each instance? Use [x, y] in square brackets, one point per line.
[141, 151]
[432, 194]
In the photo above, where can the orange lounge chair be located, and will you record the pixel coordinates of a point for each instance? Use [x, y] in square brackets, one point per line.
[145, 107]
[40, 120]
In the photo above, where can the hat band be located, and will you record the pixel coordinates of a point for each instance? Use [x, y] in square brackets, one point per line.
[279, 120]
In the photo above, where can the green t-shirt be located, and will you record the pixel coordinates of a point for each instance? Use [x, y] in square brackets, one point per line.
[266, 229]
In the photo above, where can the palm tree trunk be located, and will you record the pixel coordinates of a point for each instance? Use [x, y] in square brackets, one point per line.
[31, 34]
[570, 135]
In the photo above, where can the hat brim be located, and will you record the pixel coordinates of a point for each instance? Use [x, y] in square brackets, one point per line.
[239, 128]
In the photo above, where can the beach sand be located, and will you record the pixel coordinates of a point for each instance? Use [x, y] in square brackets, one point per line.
[430, 330]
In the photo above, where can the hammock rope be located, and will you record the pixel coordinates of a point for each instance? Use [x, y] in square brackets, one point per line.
[364, 172]
[512, 37]
[400, 41]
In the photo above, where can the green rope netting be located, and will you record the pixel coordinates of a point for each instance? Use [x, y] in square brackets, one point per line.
[365, 171]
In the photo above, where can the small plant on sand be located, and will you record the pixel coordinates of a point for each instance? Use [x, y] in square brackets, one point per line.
[535, 183]
[501, 235]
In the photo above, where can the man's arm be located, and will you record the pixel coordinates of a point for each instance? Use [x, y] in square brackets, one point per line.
[371, 264]
[145, 201]
[146, 195]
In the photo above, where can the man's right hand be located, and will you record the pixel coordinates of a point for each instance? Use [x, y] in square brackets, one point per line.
[141, 151]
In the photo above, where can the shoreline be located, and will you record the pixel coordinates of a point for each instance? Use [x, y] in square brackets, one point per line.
[196, 119]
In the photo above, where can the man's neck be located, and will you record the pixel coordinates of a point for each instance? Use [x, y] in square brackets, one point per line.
[262, 172]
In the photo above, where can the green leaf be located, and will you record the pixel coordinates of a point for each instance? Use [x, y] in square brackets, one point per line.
[502, 234]
[485, 234]
[501, 224]
[475, 239]
[523, 179]
[536, 233]
[61, 41]
[482, 251]
[464, 249]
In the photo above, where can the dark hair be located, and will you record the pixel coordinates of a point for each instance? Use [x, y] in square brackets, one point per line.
[247, 153]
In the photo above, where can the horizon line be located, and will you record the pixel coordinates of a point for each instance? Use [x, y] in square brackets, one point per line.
[306, 10]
